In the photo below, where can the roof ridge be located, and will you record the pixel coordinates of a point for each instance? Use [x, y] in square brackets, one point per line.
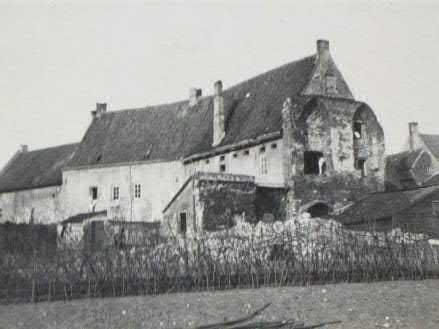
[51, 147]
[209, 96]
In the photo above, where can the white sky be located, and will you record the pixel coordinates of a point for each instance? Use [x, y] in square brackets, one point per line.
[58, 58]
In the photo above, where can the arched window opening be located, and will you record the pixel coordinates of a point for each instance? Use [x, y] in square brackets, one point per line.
[319, 209]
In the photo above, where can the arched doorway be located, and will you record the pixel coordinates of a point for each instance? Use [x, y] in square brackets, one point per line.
[317, 208]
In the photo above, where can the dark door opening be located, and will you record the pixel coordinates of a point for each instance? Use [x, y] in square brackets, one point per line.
[319, 210]
[183, 223]
[311, 162]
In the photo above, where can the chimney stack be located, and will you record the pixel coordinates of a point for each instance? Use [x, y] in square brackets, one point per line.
[219, 129]
[322, 46]
[101, 109]
[24, 148]
[413, 135]
[194, 95]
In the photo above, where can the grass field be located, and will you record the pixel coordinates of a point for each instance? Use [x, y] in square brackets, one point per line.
[402, 304]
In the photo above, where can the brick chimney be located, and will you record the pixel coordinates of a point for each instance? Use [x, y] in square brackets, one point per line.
[24, 148]
[219, 129]
[101, 109]
[194, 95]
[323, 62]
[413, 135]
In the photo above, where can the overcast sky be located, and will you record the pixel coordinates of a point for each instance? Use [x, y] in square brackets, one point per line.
[58, 58]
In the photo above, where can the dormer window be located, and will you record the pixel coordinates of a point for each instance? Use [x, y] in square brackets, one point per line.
[331, 85]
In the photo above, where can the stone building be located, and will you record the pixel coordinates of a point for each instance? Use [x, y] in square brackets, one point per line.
[411, 198]
[417, 165]
[291, 139]
[30, 185]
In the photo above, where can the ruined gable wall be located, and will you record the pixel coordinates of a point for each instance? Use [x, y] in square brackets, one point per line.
[326, 126]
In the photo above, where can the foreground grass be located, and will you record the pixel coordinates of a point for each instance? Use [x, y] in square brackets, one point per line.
[399, 304]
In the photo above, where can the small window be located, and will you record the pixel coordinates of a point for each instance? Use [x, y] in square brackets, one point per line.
[358, 130]
[116, 193]
[235, 155]
[137, 191]
[223, 168]
[262, 149]
[331, 84]
[222, 158]
[246, 152]
[94, 193]
[207, 161]
[183, 223]
[274, 146]
[1, 213]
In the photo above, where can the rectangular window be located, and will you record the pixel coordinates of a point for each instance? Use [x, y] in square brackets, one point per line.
[262, 149]
[235, 155]
[246, 152]
[314, 163]
[116, 193]
[183, 223]
[274, 146]
[1, 213]
[94, 193]
[222, 157]
[137, 191]
[223, 168]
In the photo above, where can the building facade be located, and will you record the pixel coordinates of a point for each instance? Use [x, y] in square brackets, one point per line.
[296, 130]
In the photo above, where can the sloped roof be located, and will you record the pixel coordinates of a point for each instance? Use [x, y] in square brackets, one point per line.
[79, 218]
[384, 204]
[36, 169]
[432, 142]
[175, 131]
[397, 171]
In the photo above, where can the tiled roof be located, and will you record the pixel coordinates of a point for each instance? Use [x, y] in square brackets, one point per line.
[384, 204]
[175, 131]
[36, 169]
[432, 142]
[397, 171]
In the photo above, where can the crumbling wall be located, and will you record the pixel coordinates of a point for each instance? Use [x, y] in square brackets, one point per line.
[336, 190]
[270, 204]
[220, 201]
[326, 125]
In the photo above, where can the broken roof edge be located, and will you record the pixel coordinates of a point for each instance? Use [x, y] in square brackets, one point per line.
[201, 175]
